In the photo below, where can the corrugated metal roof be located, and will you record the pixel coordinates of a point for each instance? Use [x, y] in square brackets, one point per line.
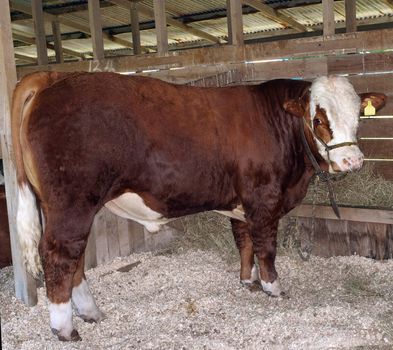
[309, 14]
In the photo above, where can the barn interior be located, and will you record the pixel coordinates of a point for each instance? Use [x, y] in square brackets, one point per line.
[216, 43]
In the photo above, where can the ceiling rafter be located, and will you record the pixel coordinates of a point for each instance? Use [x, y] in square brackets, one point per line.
[276, 16]
[69, 23]
[149, 12]
[31, 41]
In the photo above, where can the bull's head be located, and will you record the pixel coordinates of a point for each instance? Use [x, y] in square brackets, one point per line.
[331, 111]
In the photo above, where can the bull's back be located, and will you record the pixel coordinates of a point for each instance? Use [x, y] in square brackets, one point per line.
[140, 134]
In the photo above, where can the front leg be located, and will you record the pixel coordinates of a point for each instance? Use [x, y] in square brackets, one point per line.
[264, 239]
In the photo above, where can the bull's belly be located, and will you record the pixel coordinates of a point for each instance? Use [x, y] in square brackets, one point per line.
[131, 206]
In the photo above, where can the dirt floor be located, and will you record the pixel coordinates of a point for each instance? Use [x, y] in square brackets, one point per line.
[193, 300]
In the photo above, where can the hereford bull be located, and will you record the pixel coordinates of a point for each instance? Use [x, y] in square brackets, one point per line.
[152, 151]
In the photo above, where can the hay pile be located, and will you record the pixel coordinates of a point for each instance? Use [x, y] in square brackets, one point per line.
[364, 188]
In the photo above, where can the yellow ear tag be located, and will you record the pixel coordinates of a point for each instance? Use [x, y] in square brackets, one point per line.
[370, 109]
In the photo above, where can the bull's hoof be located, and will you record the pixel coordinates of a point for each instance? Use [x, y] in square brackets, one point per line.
[251, 286]
[273, 289]
[93, 319]
[74, 336]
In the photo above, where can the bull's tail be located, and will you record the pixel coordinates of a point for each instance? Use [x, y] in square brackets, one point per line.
[28, 214]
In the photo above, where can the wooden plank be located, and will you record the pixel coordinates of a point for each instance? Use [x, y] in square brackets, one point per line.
[304, 47]
[91, 251]
[96, 29]
[67, 22]
[328, 17]
[112, 234]
[124, 236]
[136, 35]
[235, 22]
[25, 286]
[276, 16]
[161, 30]
[57, 41]
[136, 236]
[39, 29]
[373, 127]
[99, 228]
[377, 149]
[385, 169]
[350, 15]
[349, 214]
[148, 12]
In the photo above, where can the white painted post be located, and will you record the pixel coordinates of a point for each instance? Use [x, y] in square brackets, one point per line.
[25, 286]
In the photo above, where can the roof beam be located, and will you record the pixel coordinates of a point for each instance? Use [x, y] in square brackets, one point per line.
[149, 12]
[161, 30]
[96, 29]
[235, 22]
[39, 30]
[31, 41]
[25, 58]
[69, 23]
[276, 16]
[328, 17]
[350, 15]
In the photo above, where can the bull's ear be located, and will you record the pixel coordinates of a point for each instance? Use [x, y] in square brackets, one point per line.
[378, 100]
[294, 107]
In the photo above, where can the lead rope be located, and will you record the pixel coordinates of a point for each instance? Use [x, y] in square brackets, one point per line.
[306, 252]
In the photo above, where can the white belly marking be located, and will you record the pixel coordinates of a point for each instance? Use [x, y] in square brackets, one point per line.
[131, 206]
[237, 213]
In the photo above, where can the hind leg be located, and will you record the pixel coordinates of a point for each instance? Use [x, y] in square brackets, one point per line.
[248, 271]
[84, 303]
[61, 249]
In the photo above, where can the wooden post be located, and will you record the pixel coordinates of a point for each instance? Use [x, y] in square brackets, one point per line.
[235, 22]
[328, 17]
[96, 29]
[25, 286]
[161, 30]
[39, 29]
[136, 36]
[350, 15]
[57, 41]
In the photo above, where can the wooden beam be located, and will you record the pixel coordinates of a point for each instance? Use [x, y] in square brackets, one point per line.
[235, 22]
[328, 17]
[149, 12]
[31, 41]
[69, 23]
[350, 214]
[161, 30]
[276, 16]
[136, 35]
[57, 41]
[39, 29]
[350, 15]
[26, 58]
[295, 48]
[96, 29]
[25, 287]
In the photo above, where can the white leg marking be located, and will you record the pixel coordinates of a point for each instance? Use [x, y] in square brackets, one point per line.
[85, 304]
[29, 229]
[254, 276]
[61, 318]
[272, 288]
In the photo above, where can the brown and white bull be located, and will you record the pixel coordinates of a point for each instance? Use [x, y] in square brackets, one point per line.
[152, 151]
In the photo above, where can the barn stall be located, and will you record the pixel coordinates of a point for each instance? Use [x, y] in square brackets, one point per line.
[262, 42]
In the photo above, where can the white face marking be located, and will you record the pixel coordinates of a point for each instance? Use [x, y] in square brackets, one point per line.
[29, 229]
[131, 206]
[272, 288]
[341, 103]
[84, 302]
[61, 318]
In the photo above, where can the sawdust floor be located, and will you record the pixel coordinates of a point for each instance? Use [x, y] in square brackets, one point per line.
[193, 300]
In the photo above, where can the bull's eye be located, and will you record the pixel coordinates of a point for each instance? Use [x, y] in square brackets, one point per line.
[317, 122]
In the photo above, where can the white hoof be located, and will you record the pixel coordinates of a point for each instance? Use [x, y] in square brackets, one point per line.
[272, 288]
[254, 276]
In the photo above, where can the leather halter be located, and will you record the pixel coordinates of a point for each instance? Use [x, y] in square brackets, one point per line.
[322, 174]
